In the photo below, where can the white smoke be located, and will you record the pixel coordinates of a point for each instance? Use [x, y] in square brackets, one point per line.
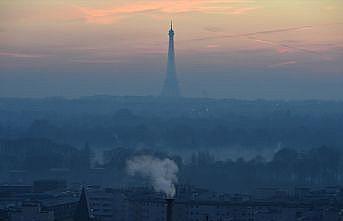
[161, 172]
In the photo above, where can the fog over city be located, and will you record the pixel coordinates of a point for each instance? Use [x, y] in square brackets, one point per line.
[171, 110]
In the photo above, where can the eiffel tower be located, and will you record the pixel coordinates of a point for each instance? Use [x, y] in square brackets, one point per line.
[171, 84]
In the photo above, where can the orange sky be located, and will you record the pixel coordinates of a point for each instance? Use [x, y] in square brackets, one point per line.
[270, 35]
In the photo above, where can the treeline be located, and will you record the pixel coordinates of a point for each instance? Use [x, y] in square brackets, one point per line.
[321, 166]
[41, 155]
[39, 158]
[187, 123]
[124, 128]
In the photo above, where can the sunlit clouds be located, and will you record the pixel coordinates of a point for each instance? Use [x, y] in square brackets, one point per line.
[72, 11]
[110, 14]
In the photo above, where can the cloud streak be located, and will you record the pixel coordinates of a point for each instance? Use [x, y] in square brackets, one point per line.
[95, 61]
[110, 15]
[19, 55]
[272, 31]
[282, 48]
[281, 64]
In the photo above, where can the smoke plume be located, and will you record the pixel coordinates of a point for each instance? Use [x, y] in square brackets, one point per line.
[161, 172]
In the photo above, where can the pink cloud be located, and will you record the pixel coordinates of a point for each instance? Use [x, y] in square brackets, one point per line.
[212, 46]
[110, 15]
[282, 50]
[114, 12]
[279, 49]
[244, 10]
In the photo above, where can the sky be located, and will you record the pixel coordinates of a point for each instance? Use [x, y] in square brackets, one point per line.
[244, 49]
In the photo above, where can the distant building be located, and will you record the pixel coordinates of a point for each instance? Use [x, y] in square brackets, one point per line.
[51, 210]
[4, 214]
[82, 212]
[212, 210]
[41, 186]
[32, 211]
[270, 193]
[171, 84]
[145, 204]
[191, 204]
[108, 204]
[63, 208]
[13, 190]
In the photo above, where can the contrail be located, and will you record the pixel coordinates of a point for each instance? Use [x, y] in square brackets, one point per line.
[272, 31]
[289, 47]
[252, 36]
[255, 33]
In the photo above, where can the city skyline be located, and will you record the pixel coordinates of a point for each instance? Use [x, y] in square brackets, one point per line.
[241, 49]
[171, 110]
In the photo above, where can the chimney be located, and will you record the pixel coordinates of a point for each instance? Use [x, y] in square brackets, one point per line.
[170, 205]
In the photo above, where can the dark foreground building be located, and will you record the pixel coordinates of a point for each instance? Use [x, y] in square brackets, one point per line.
[191, 204]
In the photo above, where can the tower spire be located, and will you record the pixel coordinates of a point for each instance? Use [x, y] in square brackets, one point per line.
[82, 209]
[171, 84]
